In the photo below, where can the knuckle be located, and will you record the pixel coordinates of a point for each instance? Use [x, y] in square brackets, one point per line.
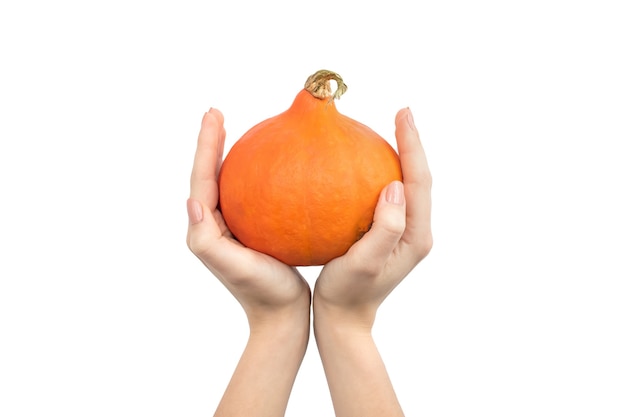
[197, 246]
[393, 225]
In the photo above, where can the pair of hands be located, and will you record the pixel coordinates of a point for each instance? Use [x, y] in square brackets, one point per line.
[347, 294]
[351, 287]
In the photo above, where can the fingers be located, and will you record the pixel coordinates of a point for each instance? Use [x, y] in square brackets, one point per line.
[208, 158]
[417, 182]
[204, 227]
[371, 253]
[208, 236]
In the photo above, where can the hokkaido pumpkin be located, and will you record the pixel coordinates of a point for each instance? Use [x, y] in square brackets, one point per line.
[302, 186]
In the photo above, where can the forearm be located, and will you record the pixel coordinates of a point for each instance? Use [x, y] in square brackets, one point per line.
[358, 380]
[263, 379]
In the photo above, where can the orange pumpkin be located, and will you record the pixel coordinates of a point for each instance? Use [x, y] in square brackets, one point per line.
[302, 186]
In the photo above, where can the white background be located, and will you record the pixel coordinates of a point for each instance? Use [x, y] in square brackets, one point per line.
[518, 311]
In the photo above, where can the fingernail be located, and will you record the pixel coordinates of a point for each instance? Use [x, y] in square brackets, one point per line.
[395, 193]
[194, 211]
[409, 119]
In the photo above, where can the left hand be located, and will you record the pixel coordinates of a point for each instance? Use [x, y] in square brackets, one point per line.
[265, 287]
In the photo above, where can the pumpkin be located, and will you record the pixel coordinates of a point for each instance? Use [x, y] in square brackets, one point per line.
[302, 186]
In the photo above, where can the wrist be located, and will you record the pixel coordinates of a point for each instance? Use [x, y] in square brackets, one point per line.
[340, 322]
[290, 317]
[282, 327]
[278, 325]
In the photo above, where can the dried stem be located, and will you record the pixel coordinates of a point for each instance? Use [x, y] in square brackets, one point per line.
[319, 86]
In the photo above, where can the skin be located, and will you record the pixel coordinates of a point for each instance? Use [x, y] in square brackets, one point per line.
[277, 300]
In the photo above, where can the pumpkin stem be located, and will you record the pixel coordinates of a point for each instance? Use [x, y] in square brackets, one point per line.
[318, 85]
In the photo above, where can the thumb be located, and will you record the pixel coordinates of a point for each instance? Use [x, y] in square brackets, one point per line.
[202, 229]
[389, 223]
[194, 211]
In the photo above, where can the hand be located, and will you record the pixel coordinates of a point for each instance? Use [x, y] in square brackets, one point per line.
[351, 287]
[354, 285]
[274, 296]
[264, 286]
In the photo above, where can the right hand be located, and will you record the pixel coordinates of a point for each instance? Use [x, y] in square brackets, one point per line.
[351, 287]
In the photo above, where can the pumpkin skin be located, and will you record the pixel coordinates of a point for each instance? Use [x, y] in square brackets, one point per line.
[302, 186]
